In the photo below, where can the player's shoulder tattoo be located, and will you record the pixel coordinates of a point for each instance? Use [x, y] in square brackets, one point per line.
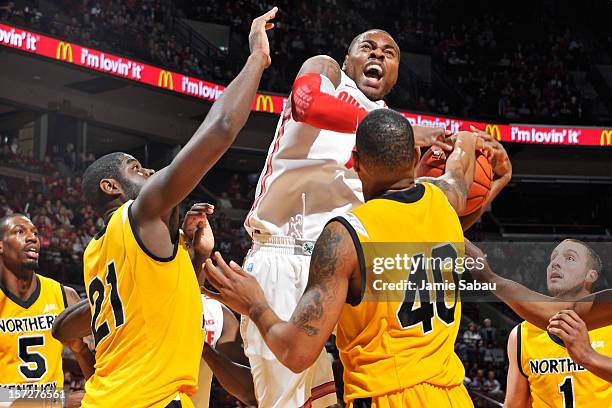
[324, 65]
[454, 183]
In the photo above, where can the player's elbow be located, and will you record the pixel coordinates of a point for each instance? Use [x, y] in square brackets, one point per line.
[226, 126]
[250, 399]
[298, 363]
[457, 200]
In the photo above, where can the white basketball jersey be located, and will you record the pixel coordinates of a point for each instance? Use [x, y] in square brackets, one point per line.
[213, 321]
[307, 179]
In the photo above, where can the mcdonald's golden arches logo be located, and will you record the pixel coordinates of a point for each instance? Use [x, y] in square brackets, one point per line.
[493, 130]
[165, 80]
[606, 137]
[264, 103]
[64, 52]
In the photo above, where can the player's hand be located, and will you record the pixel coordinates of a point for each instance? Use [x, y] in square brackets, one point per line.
[570, 328]
[481, 270]
[197, 231]
[237, 289]
[75, 345]
[258, 39]
[499, 157]
[435, 137]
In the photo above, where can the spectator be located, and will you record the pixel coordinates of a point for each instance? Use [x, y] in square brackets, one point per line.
[224, 201]
[473, 341]
[488, 332]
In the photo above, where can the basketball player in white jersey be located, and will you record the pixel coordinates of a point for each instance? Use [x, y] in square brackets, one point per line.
[308, 180]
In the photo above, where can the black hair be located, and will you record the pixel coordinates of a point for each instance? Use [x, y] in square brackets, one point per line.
[106, 167]
[385, 140]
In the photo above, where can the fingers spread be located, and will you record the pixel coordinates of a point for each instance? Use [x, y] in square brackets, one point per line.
[215, 276]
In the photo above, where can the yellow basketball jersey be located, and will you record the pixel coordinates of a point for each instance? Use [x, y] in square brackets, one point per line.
[554, 379]
[395, 338]
[30, 358]
[146, 319]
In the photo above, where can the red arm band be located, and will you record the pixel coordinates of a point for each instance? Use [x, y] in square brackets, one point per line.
[312, 103]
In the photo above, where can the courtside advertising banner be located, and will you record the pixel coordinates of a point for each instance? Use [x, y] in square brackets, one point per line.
[88, 58]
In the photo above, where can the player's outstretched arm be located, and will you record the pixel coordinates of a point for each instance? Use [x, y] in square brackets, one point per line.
[502, 174]
[224, 361]
[517, 388]
[227, 116]
[573, 331]
[459, 172]
[298, 342]
[535, 307]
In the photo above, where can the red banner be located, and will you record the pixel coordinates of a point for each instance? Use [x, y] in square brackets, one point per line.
[183, 84]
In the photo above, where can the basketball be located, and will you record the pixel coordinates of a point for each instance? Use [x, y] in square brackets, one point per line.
[433, 164]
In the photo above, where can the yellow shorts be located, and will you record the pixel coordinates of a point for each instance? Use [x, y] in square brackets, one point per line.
[421, 395]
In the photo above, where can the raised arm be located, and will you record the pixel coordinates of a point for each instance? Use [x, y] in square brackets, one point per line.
[459, 171]
[536, 308]
[298, 342]
[502, 174]
[227, 116]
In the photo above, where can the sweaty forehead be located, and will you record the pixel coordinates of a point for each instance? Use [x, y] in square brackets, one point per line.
[129, 159]
[10, 222]
[379, 37]
[576, 247]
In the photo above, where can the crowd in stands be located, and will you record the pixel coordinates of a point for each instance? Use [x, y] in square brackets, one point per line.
[509, 63]
[483, 354]
[137, 28]
[486, 56]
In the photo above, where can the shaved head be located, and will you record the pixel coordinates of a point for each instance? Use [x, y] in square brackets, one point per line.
[373, 30]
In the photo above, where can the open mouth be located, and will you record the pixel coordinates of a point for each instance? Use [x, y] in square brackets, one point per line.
[373, 73]
[32, 253]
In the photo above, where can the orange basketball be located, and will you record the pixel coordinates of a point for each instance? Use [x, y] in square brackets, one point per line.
[433, 163]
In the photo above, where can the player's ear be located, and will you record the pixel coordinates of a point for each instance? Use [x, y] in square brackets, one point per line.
[355, 158]
[344, 62]
[110, 187]
[417, 157]
[1, 248]
[592, 276]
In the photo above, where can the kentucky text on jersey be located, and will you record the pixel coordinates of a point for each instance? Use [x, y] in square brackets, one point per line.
[40, 386]
[27, 324]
